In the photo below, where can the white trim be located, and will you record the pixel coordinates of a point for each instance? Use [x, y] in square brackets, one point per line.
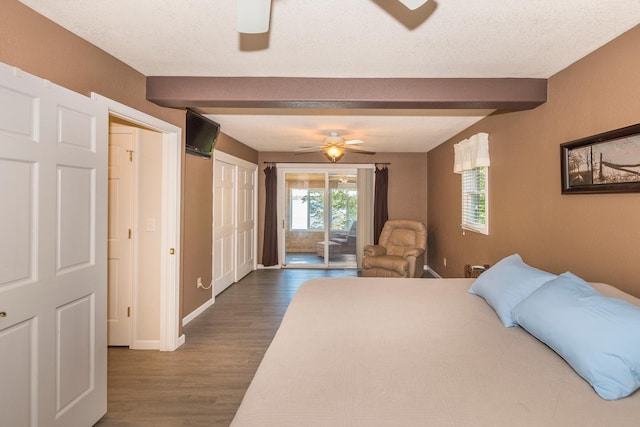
[145, 345]
[197, 312]
[271, 267]
[171, 181]
[228, 158]
[432, 272]
[306, 166]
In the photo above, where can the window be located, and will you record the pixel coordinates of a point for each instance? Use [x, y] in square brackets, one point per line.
[344, 208]
[307, 209]
[475, 200]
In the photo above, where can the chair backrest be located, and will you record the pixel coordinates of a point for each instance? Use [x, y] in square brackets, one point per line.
[352, 230]
[398, 235]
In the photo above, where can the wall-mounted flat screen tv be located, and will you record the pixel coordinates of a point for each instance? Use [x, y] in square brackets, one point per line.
[202, 134]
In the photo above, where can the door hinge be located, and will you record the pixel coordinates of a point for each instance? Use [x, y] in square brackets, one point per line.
[128, 311]
[283, 223]
[130, 155]
[129, 233]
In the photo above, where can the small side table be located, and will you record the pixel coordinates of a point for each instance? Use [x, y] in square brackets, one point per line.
[473, 271]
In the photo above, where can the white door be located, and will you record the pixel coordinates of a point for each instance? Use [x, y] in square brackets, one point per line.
[121, 220]
[223, 225]
[245, 221]
[53, 254]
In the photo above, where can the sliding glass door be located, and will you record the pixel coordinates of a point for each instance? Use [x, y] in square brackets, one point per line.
[319, 218]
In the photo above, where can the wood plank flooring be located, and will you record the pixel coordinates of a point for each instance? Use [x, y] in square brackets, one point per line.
[203, 382]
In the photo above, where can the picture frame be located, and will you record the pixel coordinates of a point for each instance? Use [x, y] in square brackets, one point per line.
[605, 163]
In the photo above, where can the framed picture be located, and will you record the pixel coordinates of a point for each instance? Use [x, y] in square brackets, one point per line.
[605, 163]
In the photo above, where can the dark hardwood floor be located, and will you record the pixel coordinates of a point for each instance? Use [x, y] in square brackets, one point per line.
[203, 382]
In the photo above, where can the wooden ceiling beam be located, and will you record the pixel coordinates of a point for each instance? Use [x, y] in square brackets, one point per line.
[347, 93]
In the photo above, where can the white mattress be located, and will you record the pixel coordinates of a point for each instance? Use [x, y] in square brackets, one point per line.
[415, 352]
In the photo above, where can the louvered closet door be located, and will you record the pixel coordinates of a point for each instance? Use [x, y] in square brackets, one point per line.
[53, 187]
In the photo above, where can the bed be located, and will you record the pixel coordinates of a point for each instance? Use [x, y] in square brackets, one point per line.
[416, 352]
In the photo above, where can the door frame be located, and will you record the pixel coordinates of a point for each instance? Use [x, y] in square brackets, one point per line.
[283, 169]
[170, 337]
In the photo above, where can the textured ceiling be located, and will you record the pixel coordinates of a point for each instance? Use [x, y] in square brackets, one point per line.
[340, 38]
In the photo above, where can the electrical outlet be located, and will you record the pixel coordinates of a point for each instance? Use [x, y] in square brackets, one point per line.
[444, 261]
[199, 283]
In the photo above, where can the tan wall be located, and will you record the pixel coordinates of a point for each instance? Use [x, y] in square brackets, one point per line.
[407, 182]
[198, 223]
[235, 148]
[197, 231]
[41, 47]
[595, 236]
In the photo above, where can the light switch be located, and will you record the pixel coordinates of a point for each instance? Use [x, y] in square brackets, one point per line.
[151, 224]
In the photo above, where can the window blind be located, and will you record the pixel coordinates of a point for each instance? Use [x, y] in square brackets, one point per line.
[475, 201]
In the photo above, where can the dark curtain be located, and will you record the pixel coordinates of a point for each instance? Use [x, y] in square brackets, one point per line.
[270, 243]
[380, 208]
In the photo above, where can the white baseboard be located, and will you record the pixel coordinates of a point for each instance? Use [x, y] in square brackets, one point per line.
[432, 272]
[271, 267]
[197, 312]
[180, 341]
[145, 345]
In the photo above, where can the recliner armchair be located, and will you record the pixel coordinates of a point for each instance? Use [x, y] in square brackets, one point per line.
[399, 252]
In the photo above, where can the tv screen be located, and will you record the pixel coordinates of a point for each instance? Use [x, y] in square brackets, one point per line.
[202, 134]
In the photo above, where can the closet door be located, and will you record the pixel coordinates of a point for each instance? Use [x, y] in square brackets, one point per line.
[53, 273]
[223, 225]
[245, 220]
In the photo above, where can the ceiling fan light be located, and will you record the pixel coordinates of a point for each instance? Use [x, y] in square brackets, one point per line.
[253, 16]
[334, 153]
[413, 4]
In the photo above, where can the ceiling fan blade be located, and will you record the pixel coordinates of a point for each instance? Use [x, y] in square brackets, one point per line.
[354, 142]
[355, 150]
[308, 149]
[413, 4]
[253, 16]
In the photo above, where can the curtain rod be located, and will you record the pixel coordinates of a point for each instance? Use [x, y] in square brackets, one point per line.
[320, 163]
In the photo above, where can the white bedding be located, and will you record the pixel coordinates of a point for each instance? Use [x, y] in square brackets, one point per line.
[415, 352]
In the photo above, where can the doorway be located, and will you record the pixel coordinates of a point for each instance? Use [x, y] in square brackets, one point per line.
[135, 212]
[170, 335]
[320, 216]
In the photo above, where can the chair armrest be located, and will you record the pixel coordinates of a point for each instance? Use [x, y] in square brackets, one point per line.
[374, 250]
[415, 252]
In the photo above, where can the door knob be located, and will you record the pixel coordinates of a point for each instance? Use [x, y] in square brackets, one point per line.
[3, 314]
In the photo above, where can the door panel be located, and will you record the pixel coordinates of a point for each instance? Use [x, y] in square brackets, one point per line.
[53, 144]
[16, 221]
[343, 213]
[74, 346]
[74, 239]
[304, 219]
[245, 220]
[223, 226]
[18, 366]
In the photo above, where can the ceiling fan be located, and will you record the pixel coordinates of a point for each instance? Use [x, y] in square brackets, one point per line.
[253, 15]
[334, 147]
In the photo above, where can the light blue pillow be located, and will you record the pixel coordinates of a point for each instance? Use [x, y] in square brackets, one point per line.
[597, 335]
[507, 283]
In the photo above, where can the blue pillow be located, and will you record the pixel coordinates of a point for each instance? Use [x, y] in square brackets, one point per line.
[507, 283]
[597, 335]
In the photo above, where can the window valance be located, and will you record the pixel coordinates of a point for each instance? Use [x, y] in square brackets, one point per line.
[471, 153]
